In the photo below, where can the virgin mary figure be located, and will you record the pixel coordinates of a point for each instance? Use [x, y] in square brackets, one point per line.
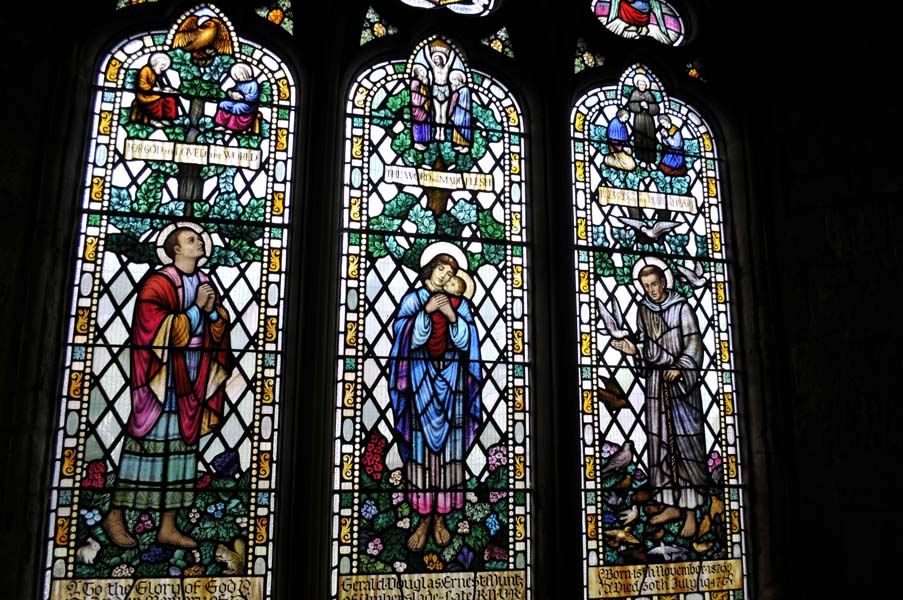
[434, 385]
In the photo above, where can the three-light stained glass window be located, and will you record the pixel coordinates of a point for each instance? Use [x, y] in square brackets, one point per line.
[165, 474]
[432, 475]
[661, 467]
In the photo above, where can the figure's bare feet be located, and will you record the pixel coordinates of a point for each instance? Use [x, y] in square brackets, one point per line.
[417, 540]
[168, 534]
[672, 513]
[440, 532]
[114, 526]
[689, 528]
[176, 538]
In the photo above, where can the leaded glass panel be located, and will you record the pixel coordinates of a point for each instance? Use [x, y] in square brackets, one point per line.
[165, 480]
[661, 463]
[432, 475]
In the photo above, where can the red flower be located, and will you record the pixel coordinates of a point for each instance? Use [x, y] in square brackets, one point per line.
[374, 454]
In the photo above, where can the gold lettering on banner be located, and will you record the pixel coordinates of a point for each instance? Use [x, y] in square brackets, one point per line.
[149, 150]
[106, 118]
[97, 189]
[284, 90]
[278, 203]
[587, 402]
[275, 260]
[248, 158]
[579, 121]
[268, 386]
[665, 578]
[589, 467]
[194, 154]
[90, 248]
[348, 398]
[482, 585]
[483, 182]
[113, 69]
[644, 199]
[158, 588]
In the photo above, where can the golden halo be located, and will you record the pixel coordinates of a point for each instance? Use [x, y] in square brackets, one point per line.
[164, 233]
[469, 286]
[649, 260]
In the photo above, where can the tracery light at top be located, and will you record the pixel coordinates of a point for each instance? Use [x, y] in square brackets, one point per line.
[465, 7]
[636, 19]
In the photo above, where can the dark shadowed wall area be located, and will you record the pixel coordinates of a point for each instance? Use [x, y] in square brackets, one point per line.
[814, 112]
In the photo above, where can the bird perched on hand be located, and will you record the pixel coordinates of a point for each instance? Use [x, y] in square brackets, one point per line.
[620, 459]
[204, 39]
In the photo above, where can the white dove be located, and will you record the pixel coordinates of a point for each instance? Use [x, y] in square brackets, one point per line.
[630, 515]
[614, 323]
[658, 228]
[668, 553]
[693, 277]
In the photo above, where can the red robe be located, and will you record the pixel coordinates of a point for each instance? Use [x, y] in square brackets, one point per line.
[160, 337]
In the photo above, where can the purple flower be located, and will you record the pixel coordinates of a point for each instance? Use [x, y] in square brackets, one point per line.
[497, 457]
[375, 547]
[496, 496]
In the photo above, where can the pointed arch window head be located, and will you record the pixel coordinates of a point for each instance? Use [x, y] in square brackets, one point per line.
[661, 473]
[637, 19]
[432, 476]
[464, 7]
[165, 473]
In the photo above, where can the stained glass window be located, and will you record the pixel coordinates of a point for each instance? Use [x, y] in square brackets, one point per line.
[662, 477]
[636, 19]
[165, 477]
[464, 7]
[124, 3]
[432, 472]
